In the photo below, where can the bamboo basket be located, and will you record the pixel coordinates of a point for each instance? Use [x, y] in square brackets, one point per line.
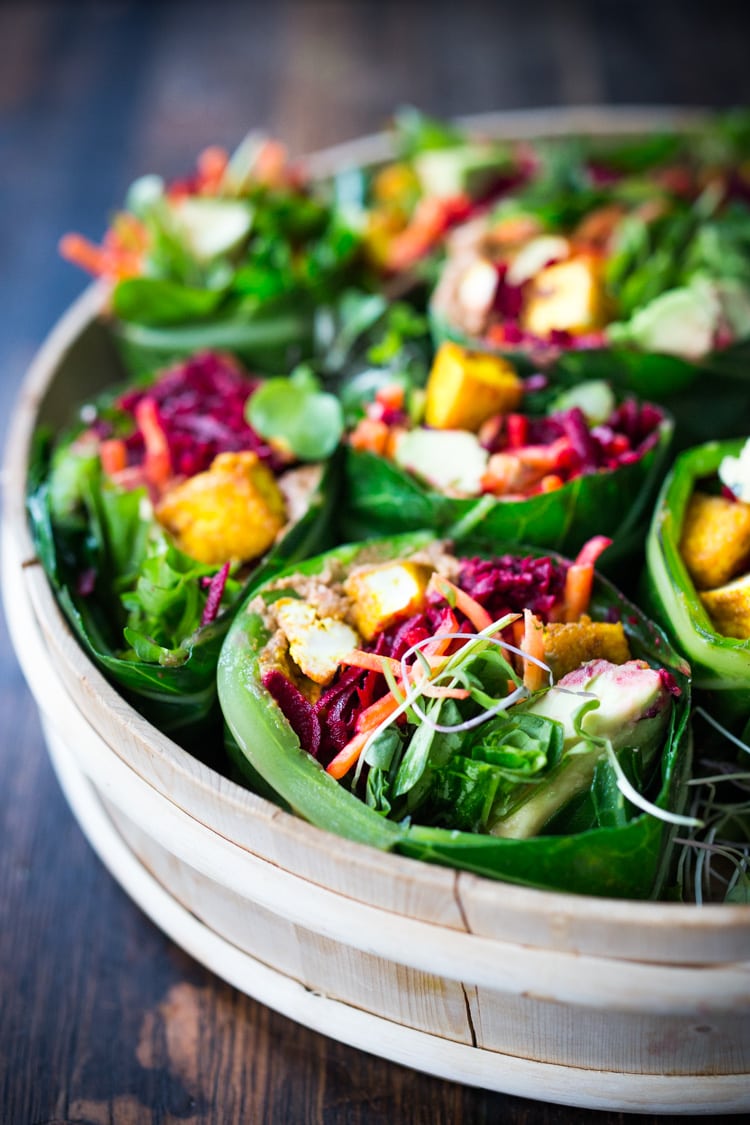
[606, 1004]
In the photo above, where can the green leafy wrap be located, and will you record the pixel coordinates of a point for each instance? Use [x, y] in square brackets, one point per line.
[721, 665]
[381, 498]
[175, 688]
[625, 858]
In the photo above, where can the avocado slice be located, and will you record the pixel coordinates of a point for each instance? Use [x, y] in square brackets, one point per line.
[633, 712]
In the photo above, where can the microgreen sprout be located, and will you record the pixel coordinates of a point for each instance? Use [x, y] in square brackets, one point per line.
[714, 861]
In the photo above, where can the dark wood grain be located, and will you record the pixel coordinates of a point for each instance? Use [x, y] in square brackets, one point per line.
[102, 1019]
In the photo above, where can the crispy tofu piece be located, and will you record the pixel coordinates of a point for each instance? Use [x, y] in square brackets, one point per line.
[466, 388]
[568, 646]
[316, 644]
[729, 607]
[567, 296]
[233, 511]
[715, 543]
[382, 594]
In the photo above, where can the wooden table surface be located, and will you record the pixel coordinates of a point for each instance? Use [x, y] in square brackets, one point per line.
[102, 1019]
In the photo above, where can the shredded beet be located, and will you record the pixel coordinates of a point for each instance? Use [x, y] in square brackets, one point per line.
[215, 592]
[298, 712]
[669, 683]
[628, 434]
[509, 585]
[86, 582]
[201, 408]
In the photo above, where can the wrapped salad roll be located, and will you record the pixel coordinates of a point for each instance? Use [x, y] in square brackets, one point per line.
[441, 177]
[604, 266]
[237, 256]
[153, 519]
[469, 453]
[507, 714]
[698, 576]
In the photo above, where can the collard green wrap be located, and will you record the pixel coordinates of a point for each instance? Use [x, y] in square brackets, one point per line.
[178, 697]
[721, 665]
[381, 498]
[625, 860]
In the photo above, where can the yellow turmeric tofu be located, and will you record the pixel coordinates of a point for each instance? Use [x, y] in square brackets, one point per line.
[316, 644]
[466, 388]
[568, 296]
[567, 646]
[729, 607]
[382, 594]
[231, 512]
[715, 543]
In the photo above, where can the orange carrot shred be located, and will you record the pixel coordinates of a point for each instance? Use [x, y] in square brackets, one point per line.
[114, 456]
[532, 645]
[347, 757]
[374, 715]
[158, 462]
[476, 613]
[591, 550]
[81, 252]
[212, 163]
[578, 584]
[357, 658]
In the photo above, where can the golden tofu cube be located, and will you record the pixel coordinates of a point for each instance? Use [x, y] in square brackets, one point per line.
[568, 297]
[729, 608]
[568, 646]
[231, 512]
[466, 388]
[316, 644]
[383, 594]
[715, 543]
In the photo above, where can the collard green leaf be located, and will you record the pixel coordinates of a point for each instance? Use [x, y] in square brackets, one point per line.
[619, 860]
[721, 665]
[381, 498]
[157, 301]
[173, 685]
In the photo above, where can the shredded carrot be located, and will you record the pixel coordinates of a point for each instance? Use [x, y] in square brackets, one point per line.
[437, 691]
[374, 715]
[439, 647]
[212, 164]
[357, 658]
[543, 458]
[590, 551]
[78, 250]
[114, 456]
[432, 217]
[578, 583]
[271, 164]
[157, 463]
[110, 260]
[347, 757]
[391, 397]
[370, 434]
[550, 483]
[476, 613]
[532, 645]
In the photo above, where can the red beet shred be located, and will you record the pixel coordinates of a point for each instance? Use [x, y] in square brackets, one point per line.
[200, 405]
